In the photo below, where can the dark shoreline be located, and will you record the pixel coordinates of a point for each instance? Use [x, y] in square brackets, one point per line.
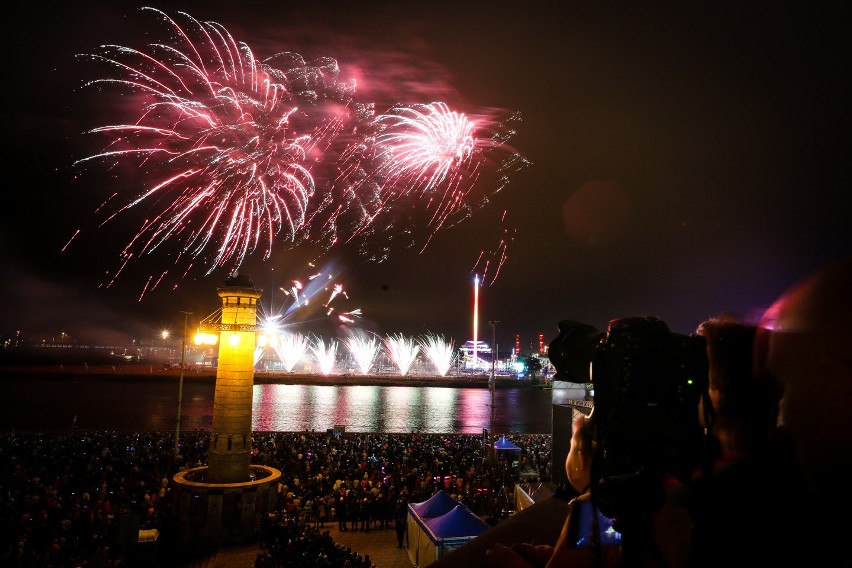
[152, 372]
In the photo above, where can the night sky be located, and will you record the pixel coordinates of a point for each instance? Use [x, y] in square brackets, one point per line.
[685, 162]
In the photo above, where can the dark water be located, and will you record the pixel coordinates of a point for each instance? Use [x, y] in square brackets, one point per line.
[32, 403]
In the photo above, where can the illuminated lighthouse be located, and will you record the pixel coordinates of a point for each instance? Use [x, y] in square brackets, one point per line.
[230, 441]
[225, 502]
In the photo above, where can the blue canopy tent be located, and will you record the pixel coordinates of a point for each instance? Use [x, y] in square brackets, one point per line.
[459, 523]
[438, 504]
[435, 506]
[430, 538]
[505, 443]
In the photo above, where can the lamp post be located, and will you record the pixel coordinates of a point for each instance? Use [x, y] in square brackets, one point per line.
[493, 367]
[180, 382]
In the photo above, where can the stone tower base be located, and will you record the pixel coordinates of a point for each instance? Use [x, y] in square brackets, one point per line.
[222, 514]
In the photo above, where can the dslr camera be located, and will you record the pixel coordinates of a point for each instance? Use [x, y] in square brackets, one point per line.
[647, 383]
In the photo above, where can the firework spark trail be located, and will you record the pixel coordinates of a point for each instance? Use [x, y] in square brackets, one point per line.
[416, 154]
[295, 292]
[490, 262]
[425, 157]
[236, 154]
[291, 348]
[412, 152]
[325, 354]
[349, 318]
[425, 147]
[363, 349]
[402, 351]
[65, 246]
[280, 323]
[439, 351]
[222, 137]
[321, 282]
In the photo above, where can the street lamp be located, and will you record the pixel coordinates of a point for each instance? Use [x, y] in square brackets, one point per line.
[493, 366]
[162, 351]
[180, 381]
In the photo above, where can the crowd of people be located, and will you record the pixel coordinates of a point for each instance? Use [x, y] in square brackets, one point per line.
[79, 498]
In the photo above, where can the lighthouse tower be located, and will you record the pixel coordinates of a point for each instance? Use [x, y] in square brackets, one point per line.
[226, 501]
[230, 441]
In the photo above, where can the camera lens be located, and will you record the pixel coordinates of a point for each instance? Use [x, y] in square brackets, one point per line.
[572, 351]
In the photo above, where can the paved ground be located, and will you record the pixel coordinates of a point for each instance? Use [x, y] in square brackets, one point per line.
[381, 545]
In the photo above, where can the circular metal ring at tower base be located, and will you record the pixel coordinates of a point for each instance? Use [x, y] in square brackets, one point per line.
[222, 514]
[198, 476]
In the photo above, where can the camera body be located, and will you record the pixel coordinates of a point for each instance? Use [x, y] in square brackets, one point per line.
[647, 385]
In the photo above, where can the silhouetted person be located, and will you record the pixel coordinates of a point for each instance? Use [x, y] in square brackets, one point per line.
[401, 519]
[788, 502]
[808, 349]
[738, 483]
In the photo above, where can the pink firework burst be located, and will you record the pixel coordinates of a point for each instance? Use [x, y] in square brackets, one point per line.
[420, 170]
[227, 143]
[427, 151]
[235, 155]
[424, 146]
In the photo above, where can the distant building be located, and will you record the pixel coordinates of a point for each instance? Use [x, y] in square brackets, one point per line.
[476, 361]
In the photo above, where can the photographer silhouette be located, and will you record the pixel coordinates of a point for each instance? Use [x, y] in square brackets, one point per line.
[737, 484]
[784, 498]
[648, 383]
[807, 341]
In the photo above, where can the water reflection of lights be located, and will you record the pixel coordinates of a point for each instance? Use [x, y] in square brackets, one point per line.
[364, 400]
[441, 408]
[475, 407]
[435, 410]
[399, 409]
[278, 399]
